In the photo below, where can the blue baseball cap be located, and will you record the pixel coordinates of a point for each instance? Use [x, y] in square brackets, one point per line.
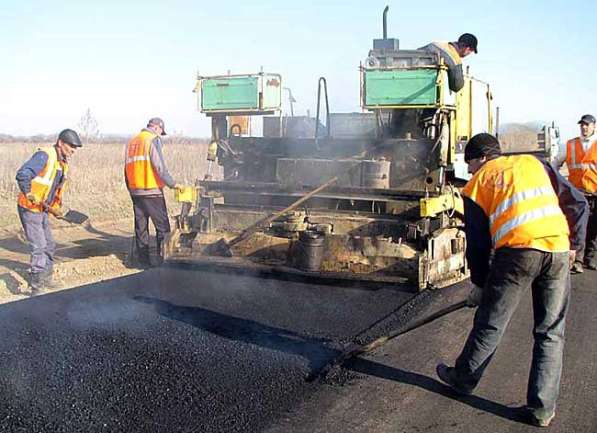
[587, 118]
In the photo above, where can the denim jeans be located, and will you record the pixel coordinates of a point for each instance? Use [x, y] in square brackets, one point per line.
[37, 231]
[514, 271]
[588, 254]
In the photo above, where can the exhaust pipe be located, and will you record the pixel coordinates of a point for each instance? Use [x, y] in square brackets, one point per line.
[385, 22]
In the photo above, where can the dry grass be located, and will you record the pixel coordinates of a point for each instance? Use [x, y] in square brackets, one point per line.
[96, 184]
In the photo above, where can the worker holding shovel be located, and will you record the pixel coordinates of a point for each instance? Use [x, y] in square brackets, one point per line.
[41, 182]
[534, 220]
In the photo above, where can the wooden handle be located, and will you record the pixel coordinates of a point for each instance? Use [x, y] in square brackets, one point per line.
[255, 227]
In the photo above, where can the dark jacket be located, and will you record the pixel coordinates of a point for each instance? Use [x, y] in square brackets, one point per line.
[452, 61]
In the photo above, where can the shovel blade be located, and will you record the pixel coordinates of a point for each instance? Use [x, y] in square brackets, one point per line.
[75, 217]
[219, 248]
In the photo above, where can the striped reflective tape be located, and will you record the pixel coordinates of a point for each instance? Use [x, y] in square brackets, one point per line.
[43, 181]
[517, 198]
[137, 158]
[583, 166]
[579, 165]
[524, 218]
[46, 179]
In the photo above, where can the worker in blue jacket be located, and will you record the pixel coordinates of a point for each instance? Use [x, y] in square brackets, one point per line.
[523, 224]
[41, 181]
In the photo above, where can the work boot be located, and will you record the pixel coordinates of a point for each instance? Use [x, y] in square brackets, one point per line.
[36, 283]
[448, 376]
[591, 265]
[143, 263]
[576, 268]
[48, 280]
[143, 260]
[527, 415]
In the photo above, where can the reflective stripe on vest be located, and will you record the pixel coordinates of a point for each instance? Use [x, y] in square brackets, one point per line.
[139, 171]
[524, 218]
[518, 197]
[516, 194]
[137, 158]
[41, 185]
[582, 166]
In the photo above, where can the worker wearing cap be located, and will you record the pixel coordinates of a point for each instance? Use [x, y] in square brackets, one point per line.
[533, 220]
[41, 182]
[452, 54]
[146, 175]
[581, 159]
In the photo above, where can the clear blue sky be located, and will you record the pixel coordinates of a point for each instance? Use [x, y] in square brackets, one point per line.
[130, 60]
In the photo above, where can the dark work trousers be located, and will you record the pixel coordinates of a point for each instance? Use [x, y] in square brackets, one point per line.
[513, 272]
[588, 255]
[37, 231]
[148, 207]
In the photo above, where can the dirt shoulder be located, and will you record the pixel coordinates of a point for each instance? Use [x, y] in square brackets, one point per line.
[84, 254]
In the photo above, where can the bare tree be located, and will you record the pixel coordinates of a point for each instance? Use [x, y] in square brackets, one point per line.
[88, 127]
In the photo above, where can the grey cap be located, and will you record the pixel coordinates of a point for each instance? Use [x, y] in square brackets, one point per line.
[70, 137]
[158, 122]
[587, 118]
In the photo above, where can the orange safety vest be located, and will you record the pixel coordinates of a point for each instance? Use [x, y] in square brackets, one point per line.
[517, 196]
[449, 49]
[42, 184]
[139, 172]
[582, 167]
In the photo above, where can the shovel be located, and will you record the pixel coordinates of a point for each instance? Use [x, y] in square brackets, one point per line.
[223, 248]
[71, 216]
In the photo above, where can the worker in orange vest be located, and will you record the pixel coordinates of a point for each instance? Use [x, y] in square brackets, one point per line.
[146, 175]
[581, 160]
[41, 182]
[532, 220]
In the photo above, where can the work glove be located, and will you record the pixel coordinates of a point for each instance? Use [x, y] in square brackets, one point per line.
[58, 212]
[474, 297]
[32, 198]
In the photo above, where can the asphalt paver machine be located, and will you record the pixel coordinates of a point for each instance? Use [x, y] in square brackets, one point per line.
[368, 196]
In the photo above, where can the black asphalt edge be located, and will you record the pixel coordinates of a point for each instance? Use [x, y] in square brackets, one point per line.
[391, 323]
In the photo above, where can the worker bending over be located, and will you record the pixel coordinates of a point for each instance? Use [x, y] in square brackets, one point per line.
[41, 182]
[533, 220]
[452, 54]
[581, 159]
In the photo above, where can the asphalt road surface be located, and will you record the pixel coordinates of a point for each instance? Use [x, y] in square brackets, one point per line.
[186, 351]
[397, 390]
[172, 350]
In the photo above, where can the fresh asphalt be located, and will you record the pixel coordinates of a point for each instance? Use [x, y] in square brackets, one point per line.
[174, 350]
[397, 390]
